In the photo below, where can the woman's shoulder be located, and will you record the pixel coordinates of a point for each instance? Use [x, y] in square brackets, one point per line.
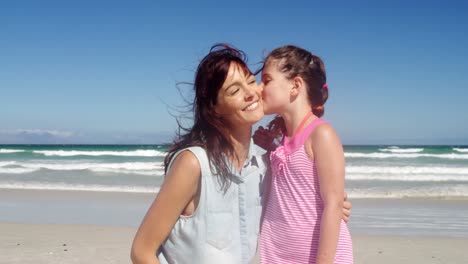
[185, 163]
[190, 156]
[187, 158]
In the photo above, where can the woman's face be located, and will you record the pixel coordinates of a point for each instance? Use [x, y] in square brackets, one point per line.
[275, 88]
[239, 100]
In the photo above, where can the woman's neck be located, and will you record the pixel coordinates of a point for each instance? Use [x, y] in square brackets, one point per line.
[240, 139]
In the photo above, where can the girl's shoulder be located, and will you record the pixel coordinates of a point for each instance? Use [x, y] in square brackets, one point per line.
[322, 131]
[323, 134]
[318, 129]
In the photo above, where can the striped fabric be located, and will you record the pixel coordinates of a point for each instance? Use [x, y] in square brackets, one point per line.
[291, 226]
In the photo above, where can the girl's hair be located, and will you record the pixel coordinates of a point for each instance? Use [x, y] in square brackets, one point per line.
[297, 62]
[208, 130]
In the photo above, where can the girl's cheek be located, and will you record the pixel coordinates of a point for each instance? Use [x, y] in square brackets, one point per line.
[264, 92]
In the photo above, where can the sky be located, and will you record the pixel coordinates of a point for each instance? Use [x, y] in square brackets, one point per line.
[106, 72]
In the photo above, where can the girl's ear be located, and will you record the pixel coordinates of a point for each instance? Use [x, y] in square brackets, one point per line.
[298, 84]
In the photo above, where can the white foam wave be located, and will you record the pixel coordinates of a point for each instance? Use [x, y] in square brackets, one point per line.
[16, 170]
[399, 150]
[6, 151]
[6, 163]
[430, 192]
[376, 155]
[78, 187]
[135, 153]
[143, 168]
[461, 149]
[409, 178]
[122, 171]
[407, 170]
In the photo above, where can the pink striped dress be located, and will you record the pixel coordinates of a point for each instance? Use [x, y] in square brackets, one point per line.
[291, 225]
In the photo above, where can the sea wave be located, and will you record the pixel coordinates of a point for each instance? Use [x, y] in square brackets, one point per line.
[134, 153]
[17, 170]
[461, 149]
[407, 170]
[76, 187]
[144, 168]
[423, 192]
[7, 163]
[7, 151]
[408, 178]
[377, 155]
[399, 150]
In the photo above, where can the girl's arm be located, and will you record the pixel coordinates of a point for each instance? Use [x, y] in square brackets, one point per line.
[329, 158]
[179, 188]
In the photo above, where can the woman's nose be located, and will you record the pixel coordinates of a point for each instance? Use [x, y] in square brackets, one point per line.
[251, 91]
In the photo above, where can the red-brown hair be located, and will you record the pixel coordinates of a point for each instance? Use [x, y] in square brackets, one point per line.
[208, 131]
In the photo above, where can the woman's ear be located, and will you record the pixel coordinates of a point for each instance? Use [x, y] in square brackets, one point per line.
[216, 111]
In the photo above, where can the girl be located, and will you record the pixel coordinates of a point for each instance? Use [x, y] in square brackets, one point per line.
[303, 216]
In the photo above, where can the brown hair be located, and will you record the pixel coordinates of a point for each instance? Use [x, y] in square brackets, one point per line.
[293, 62]
[208, 131]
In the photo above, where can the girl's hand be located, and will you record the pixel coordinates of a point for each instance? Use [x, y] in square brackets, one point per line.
[264, 138]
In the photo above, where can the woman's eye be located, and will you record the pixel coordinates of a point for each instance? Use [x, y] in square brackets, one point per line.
[266, 81]
[252, 82]
[234, 92]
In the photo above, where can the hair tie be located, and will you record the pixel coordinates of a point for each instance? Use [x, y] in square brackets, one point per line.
[320, 108]
[325, 86]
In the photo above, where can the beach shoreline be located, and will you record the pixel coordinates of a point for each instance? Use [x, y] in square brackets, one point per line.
[72, 243]
[51, 226]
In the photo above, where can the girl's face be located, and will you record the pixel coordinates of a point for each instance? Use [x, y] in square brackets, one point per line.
[276, 88]
[239, 100]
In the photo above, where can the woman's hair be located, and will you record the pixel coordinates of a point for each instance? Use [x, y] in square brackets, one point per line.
[297, 62]
[208, 130]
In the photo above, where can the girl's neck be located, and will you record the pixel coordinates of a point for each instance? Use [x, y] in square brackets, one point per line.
[294, 116]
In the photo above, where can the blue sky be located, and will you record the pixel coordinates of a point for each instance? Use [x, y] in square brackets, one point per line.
[106, 71]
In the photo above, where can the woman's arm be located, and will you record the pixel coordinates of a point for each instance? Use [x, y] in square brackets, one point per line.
[329, 158]
[347, 205]
[266, 187]
[179, 188]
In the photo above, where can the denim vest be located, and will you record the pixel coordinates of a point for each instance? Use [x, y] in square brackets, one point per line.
[225, 225]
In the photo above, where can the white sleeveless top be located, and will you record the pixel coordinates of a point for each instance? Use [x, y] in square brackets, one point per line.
[225, 225]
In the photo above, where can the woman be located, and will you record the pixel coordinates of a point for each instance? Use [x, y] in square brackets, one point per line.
[208, 208]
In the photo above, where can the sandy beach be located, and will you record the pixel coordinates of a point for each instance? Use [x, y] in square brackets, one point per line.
[44, 226]
[53, 243]
[46, 243]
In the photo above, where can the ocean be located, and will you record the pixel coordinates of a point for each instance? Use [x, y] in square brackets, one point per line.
[405, 190]
[371, 171]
